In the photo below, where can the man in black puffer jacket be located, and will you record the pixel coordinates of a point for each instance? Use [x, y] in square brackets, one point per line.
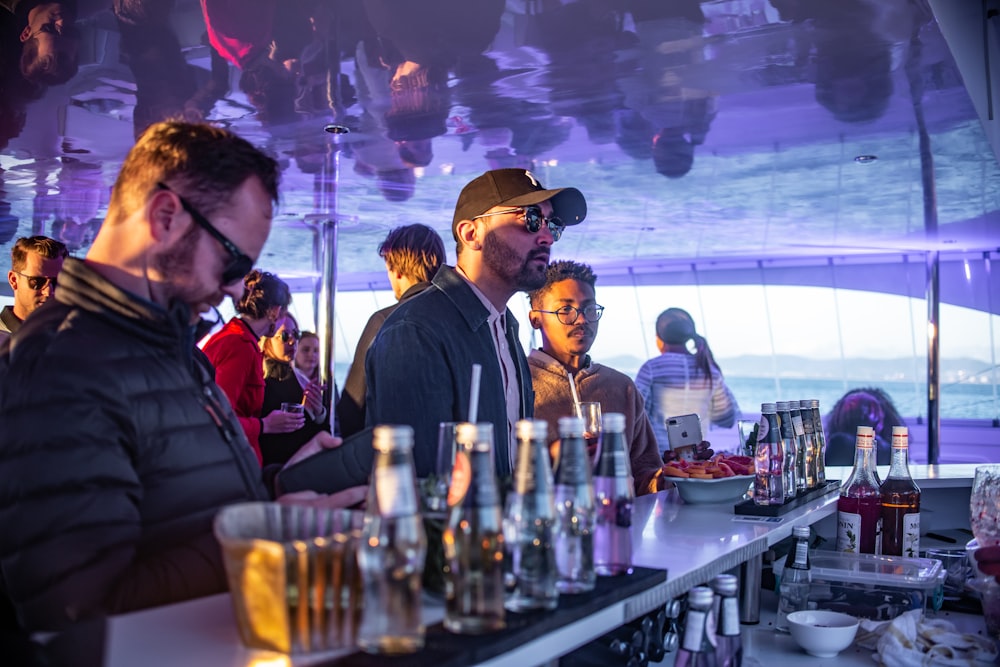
[116, 446]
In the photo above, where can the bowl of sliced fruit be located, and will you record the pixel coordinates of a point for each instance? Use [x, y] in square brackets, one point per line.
[723, 478]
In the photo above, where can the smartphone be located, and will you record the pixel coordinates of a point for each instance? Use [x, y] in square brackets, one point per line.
[683, 435]
[332, 470]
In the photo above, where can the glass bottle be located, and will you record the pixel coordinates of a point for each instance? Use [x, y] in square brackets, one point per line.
[728, 642]
[529, 523]
[819, 444]
[803, 454]
[574, 496]
[473, 538]
[789, 445]
[900, 498]
[614, 496]
[793, 590]
[859, 508]
[696, 645]
[768, 485]
[808, 443]
[392, 549]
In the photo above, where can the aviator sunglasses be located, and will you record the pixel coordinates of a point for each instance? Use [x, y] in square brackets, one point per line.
[289, 336]
[533, 220]
[239, 264]
[38, 283]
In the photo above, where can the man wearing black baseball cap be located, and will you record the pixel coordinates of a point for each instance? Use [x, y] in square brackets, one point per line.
[419, 368]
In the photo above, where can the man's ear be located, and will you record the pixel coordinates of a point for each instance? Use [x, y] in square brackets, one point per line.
[12, 279]
[163, 212]
[535, 320]
[468, 234]
[660, 345]
[26, 33]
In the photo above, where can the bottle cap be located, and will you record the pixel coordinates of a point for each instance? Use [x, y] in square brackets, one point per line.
[866, 431]
[767, 408]
[528, 429]
[813, 403]
[700, 596]
[781, 406]
[570, 426]
[801, 531]
[387, 437]
[613, 422]
[477, 436]
[725, 584]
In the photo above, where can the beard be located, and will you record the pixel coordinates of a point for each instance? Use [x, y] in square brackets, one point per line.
[505, 262]
[175, 267]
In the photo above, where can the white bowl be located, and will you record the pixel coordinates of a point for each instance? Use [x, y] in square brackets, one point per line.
[720, 490]
[823, 634]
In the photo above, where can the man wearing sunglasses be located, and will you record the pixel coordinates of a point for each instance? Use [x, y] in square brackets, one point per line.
[566, 313]
[50, 43]
[117, 447]
[419, 369]
[35, 262]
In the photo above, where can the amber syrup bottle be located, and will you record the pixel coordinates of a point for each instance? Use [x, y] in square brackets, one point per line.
[900, 502]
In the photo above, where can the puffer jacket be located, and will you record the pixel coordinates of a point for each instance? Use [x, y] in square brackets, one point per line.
[116, 451]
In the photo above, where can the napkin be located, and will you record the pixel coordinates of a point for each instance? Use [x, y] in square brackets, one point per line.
[910, 640]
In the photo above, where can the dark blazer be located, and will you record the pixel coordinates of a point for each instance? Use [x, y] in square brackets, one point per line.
[419, 368]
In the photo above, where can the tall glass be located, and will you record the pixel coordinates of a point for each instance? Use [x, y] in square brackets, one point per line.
[590, 413]
[984, 506]
[434, 490]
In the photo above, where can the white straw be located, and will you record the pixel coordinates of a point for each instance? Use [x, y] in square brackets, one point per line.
[477, 371]
[576, 396]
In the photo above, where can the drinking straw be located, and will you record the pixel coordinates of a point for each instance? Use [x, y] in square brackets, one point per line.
[576, 396]
[477, 371]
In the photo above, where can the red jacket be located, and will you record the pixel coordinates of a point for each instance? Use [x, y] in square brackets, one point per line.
[239, 371]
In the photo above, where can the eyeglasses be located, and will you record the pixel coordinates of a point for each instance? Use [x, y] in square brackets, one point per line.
[533, 220]
[239, 264]
[289, 336]
[570, 314]
[38, 283]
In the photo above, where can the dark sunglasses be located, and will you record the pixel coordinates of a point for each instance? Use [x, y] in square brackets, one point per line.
[38, 283]
[533, 220]
[289, 336]
[239, 264]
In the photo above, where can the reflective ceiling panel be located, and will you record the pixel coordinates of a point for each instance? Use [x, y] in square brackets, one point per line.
[697, 130]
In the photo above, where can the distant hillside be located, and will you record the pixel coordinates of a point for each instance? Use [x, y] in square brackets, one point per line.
[902, 369]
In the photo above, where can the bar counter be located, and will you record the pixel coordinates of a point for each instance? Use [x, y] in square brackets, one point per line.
[692, 543]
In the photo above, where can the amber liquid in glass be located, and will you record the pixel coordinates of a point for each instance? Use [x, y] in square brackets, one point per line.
[899, 498]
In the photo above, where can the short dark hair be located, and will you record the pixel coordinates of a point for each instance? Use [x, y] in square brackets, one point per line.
[416, 251]
[204, 163]
[43, 245]
[49, 71]
[559, 271]
[261, 292]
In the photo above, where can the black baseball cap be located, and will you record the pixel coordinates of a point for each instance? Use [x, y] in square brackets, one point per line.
[516, 187]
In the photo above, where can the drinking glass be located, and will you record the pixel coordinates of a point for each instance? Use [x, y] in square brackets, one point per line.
[436, 487]
[745, 428]
[984, 505]
[293, 408]
[590, 412]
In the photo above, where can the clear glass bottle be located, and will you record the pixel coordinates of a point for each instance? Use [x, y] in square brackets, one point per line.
[392, 549]
[529, 523]
[900, 498]
[614, 496]
[859, 508]
[574, 496]
[819, 444]
[696, 648]
[769, 484]
[793, 590]
[803, 454]
[728, 642]
[473, 538]
[789, 444]
[808, 443]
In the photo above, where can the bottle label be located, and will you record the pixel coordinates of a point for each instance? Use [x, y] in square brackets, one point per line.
[801, 552]
[395, 492]
[797, 425]
[911, 534]
[730, 617]
[694, 630]
[848, 532]
[763, 429]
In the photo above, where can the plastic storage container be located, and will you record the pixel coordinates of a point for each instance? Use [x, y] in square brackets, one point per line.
[875, 587]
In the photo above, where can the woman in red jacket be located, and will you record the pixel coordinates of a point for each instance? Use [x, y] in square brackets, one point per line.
[239, 363]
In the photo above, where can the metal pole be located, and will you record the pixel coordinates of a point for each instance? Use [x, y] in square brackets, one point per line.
[326, 204]
[933, 359]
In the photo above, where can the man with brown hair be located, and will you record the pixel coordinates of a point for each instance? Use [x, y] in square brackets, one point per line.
[35, 262]
[412, 254]
[117, 447]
